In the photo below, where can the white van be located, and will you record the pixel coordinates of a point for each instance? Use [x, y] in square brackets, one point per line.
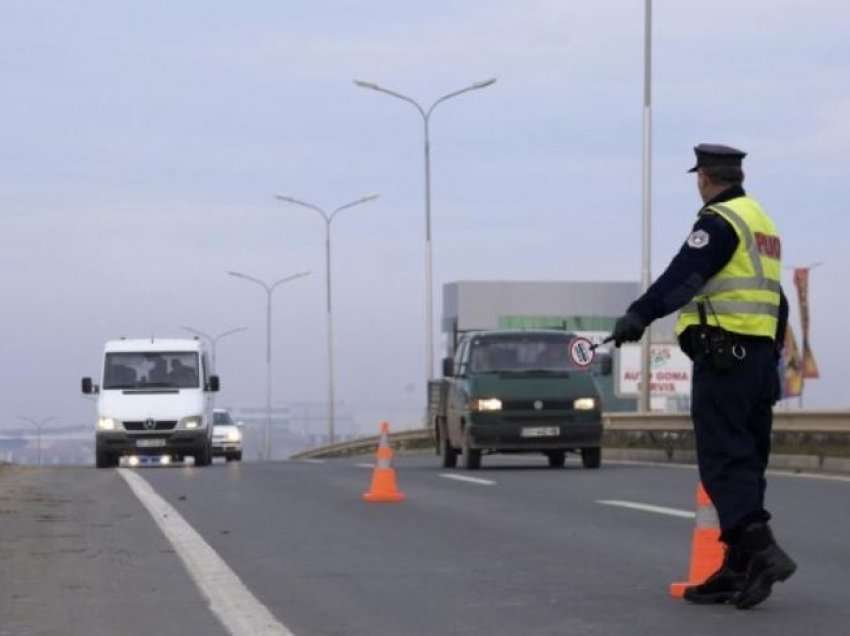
[155, 398]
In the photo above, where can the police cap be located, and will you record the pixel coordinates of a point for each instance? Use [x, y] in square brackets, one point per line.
[710, 155]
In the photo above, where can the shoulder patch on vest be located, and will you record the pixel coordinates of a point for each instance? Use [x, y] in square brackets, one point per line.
[698, 239]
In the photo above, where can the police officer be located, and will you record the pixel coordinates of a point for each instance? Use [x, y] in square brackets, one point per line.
[725, 282]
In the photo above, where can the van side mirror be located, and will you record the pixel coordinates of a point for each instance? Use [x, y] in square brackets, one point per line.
[213, 384]
[240, 424]
[448, 367]
[88, 387]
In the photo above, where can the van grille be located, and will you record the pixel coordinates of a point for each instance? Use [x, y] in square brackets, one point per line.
[529, 405]
[159, 425]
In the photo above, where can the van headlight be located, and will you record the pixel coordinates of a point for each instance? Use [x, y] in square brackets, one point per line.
[106, 424]
[487, 404]
[234, 436]
[192, 422]
[584, 404]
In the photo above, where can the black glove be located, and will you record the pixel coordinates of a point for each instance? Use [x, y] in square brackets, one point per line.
[628, 328]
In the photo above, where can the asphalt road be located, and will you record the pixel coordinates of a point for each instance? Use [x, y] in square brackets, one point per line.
[527, 550]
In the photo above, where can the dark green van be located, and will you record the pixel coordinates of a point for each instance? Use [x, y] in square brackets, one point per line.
[515, 392]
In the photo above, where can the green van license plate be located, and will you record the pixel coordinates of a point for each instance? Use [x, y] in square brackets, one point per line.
[540, 431]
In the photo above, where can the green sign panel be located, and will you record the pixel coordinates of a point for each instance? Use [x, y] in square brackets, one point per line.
[568, 323]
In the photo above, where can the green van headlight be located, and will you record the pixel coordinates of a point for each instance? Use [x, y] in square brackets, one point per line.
[487, 404]
[584, 404]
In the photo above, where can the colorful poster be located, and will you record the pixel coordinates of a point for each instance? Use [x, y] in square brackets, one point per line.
[790, 367]
[670, 371]
[801, 282]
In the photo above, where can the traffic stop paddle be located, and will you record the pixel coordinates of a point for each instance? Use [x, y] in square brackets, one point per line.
[593, 347]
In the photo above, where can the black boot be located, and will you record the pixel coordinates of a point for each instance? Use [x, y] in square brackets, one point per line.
[724, 585]
[769, 564]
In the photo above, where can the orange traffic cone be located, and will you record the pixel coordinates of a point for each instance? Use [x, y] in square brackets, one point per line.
[706, 549]
[384, 488]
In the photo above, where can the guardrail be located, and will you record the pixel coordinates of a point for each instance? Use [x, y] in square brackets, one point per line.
[402, 440]
[801, 439]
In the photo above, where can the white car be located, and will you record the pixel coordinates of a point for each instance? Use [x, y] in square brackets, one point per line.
[155, 398]
[227, 436]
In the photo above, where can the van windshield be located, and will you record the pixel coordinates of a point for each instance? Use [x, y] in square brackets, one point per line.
[522, 353]
[161, 370]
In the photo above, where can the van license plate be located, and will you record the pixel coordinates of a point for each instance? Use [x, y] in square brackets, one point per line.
[150, 443]
[540, 431]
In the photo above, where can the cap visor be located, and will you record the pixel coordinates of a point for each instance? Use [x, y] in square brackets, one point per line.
[694, 169]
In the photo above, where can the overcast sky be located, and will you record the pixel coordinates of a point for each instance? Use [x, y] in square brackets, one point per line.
[141, 144]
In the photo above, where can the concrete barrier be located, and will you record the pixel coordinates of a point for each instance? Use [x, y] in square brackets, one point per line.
[796, 421]
[802, 440]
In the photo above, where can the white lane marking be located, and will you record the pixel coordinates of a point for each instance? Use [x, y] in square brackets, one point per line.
[233, 604]
[661, 510]
[364, 465]
[471, 480]
[310, 461]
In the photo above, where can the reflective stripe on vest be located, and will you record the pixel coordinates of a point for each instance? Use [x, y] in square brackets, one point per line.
[742, 297]
[745, 232]
[717, 286]
[721, 307]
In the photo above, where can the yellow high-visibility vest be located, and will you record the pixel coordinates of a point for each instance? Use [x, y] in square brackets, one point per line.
[743, 297]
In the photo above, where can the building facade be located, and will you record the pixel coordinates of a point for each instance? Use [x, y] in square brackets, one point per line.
[587, 307]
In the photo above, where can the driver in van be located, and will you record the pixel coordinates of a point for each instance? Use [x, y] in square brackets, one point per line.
[159, 372]
[122, 375]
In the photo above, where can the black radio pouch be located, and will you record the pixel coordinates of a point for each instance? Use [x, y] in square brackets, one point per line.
[715, 343]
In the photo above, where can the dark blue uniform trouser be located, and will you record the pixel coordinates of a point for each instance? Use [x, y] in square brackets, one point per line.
[733, 416]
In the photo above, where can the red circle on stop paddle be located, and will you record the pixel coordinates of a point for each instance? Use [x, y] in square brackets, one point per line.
[580, 352]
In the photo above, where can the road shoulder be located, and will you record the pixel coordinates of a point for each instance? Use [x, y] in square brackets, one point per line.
[81, 556]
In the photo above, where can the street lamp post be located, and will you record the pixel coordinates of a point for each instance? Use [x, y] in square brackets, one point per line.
[644, 400]
[328, 219]
[426, 118]
[213, 340]
[39, 424]
[269, 289]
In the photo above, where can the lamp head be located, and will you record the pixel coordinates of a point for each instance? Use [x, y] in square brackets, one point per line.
[485, 83]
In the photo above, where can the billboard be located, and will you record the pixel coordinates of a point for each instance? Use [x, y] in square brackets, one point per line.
[671, 371]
